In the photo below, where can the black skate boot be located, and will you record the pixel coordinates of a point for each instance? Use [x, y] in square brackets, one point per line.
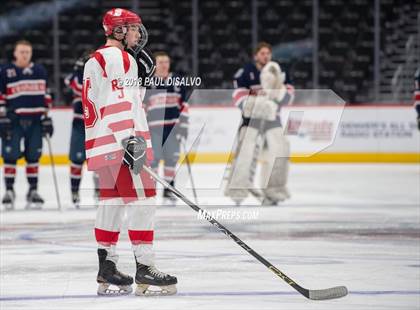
[149, 276]
[33, 200]
[9, 200]
[76, 199]
[109, 275]
[168, 197]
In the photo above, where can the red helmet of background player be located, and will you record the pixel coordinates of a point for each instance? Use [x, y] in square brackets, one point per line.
[118, 17]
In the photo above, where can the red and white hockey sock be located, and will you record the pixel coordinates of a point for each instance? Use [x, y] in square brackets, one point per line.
[141, 230]
[9, 175]
[32, 175]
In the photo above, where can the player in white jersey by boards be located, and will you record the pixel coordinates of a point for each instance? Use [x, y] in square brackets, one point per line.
[117, 145]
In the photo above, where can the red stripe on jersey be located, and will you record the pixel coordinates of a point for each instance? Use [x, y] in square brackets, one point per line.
[101, 60]
[240, 94]
[115, 108]
[75, 86]
[144, 134]
[140, 236]
[126, 61]
[121, 125]
[99, 141]
[106, 237]
[105, 160]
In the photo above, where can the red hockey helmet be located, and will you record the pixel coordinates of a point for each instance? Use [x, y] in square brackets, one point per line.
[119, 17]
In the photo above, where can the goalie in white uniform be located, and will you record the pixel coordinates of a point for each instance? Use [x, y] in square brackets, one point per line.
[261, 91]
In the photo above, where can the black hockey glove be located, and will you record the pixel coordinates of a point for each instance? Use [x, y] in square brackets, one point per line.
[5, 127]
[47, 126]
[135, 153]
[145, 63]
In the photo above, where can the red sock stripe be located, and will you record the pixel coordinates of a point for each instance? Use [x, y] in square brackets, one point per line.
[141, 236]
[9, 170]
[106, 237]
[31, 169]
[75, 170]
[169, 172]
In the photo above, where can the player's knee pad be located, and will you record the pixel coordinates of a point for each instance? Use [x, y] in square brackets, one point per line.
[109, 215]
[141, 214]
[275, 162]
[239, 180]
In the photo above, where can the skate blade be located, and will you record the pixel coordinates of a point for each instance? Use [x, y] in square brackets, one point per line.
[9, 206]
[33, 206]
[104, 290]
[169, 202]
[144, 290]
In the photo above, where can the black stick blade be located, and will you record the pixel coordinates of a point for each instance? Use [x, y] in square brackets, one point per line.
[329, 293]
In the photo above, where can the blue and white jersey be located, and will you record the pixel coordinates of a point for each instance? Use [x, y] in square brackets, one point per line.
[166, 105]
[417, 92]
[23, 91]
[75, 82]
[247, 84]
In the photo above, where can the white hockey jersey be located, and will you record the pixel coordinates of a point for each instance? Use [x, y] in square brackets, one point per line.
[112, 109]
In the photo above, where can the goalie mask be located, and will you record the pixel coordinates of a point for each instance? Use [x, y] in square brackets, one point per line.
[116, 23]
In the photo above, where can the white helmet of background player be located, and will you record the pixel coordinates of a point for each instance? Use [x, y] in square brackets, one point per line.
[115, 23]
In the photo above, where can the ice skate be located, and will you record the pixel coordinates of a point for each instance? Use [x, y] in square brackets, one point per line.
[148, 276]
[76, 199]
[109, 275]
[33, 200]
[9, 200]
[168, 197]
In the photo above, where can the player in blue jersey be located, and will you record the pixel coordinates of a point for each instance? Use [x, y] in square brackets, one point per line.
[77, 141]
[24, 104]
[167, 116]
[261, 89]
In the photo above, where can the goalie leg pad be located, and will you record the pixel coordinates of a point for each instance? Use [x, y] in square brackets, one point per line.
[275, 165]
[239, 182]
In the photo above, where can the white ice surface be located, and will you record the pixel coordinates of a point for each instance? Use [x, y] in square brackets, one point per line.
[353, 225]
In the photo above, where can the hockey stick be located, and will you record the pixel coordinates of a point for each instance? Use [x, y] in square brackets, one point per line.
[189, 169]
[53, 171]
[329, 293]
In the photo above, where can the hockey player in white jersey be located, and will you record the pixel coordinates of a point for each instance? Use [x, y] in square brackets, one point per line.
[261, 91]
[117, 146]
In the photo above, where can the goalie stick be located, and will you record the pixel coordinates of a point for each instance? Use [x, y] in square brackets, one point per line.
[329, 293]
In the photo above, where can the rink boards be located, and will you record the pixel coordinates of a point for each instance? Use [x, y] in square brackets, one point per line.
[385, 133]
